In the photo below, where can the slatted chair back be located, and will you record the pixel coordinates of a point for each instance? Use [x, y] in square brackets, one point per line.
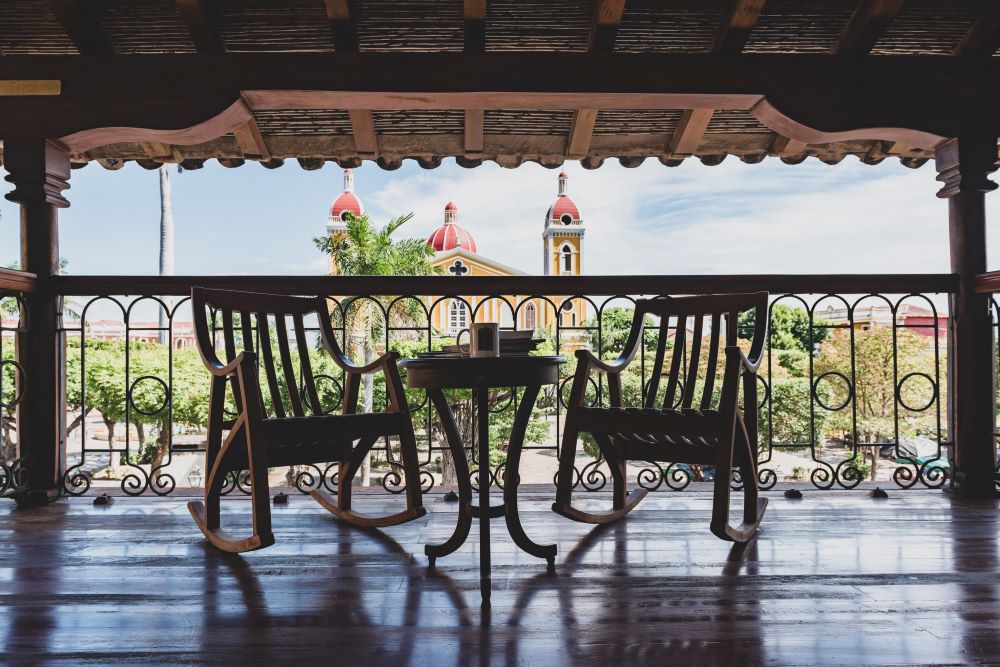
[273, 327]
[687, 322]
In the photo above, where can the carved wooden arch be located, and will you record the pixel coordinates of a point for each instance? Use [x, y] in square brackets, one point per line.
[235, 115]
[774, 119]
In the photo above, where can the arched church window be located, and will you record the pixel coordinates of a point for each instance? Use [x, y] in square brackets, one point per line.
[530, 317]
[567, 254]
[458, 317]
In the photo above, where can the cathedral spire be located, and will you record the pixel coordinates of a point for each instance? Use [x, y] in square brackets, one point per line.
[563, 178]
[348, 180]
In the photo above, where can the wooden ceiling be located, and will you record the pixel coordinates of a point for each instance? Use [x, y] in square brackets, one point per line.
[837, 29]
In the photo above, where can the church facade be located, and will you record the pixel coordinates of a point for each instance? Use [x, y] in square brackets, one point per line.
[457, 254]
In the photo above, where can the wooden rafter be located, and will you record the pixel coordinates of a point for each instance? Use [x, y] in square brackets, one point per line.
[690, 131]
[363, 128]
[783, 146]
[251, 141]
[735, 29]
[345, 34]
[580, 133]
[983, 38]
[159, 151]
[475, 26]
[866, 25]
[473, 132]
[80, 20]
[604, 31]
[202, 25]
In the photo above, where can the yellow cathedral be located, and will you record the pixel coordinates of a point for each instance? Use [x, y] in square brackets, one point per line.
[457, 255]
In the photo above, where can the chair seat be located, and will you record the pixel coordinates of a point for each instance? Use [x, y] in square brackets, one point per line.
[647, 426]
[295, 431]
[316, 439]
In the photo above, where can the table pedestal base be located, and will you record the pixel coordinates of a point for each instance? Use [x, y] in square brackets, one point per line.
[466, 510]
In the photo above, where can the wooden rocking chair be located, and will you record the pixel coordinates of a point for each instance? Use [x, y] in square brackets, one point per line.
[288, 437]
[670, 429]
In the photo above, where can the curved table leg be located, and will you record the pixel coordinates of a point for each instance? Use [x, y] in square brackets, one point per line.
[512, 479]
[454, 437]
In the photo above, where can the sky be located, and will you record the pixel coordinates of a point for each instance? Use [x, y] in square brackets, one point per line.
[692, 219]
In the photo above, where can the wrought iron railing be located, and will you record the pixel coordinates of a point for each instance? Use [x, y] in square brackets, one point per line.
[13, 390]
[854, 387]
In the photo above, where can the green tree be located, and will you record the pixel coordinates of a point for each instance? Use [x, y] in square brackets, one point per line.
[876, 375]
[616, 323]
[367, 251]
[789, 328]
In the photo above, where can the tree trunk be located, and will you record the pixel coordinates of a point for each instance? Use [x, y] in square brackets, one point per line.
[367, 398]
[166, 242]
[77, 421]
[140, 432]
[162, 444]
[113, 462]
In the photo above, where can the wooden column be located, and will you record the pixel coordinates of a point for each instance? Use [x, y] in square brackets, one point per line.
[39, 170]
[963, 165]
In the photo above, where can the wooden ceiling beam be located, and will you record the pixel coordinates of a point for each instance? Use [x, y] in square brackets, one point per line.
[580, 133]
[983, 38]
[251, 141]
[82, 23]
[604, 31]
[735, 28]
[473, 133]
[865, 27]
[202, 24]
[345, 34]
[822, 99]
[475, 26]
[690, 130]
[363, 128]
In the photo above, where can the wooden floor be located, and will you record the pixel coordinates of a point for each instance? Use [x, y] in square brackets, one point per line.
[834, 579]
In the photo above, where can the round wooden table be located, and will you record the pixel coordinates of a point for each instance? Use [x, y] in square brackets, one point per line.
[482, 374]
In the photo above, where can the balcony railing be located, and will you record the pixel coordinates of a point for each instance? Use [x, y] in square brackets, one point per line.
[854, 386]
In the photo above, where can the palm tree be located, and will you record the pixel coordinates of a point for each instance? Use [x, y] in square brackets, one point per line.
[366, 251]
[166, 241]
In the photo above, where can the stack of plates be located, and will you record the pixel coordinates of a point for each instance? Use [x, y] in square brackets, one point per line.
[518, 342]
[511, 342]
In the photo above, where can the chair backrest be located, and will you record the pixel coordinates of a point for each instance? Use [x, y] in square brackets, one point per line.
[687, 321]
[258, 323]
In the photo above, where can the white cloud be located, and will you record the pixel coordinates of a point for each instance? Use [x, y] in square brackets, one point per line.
[732, 218]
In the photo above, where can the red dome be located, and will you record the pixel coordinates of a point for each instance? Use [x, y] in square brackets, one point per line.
[450, 206]
[347, 201]
[451, 236]
[563, 206]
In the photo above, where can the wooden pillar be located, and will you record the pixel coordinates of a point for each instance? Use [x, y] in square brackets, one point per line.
[963, 165]
[39, 170]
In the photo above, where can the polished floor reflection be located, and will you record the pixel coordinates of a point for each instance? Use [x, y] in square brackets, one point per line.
[833, 579]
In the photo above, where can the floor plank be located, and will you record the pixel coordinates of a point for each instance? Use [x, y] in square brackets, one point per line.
[832, 579]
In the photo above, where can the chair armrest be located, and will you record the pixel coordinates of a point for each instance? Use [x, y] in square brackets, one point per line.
[218, 369]
[381, 363]
[747, 365]
[593, 361]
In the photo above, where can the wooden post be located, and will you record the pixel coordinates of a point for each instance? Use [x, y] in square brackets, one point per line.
[963, 165]
[39, 170]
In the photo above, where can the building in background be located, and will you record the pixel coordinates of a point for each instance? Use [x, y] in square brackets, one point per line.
[457, 255]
